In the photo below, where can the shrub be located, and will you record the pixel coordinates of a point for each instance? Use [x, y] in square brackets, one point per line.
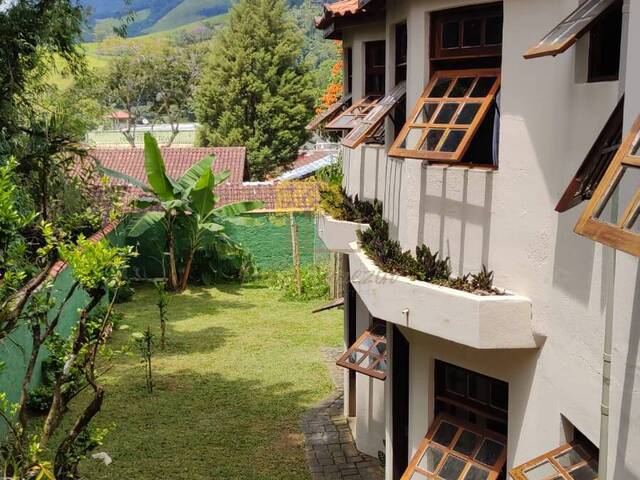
[40, 399]
[335, 202]
[314, 282]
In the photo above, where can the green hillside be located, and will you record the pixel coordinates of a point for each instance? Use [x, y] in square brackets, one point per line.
[188, 12]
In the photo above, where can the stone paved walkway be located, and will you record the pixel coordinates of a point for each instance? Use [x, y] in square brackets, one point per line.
[329, 446]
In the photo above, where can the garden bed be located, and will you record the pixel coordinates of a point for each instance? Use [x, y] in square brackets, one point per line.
[483, 322]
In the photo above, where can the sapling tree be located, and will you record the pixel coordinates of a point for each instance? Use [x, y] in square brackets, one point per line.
[144, 342]
[163, 303]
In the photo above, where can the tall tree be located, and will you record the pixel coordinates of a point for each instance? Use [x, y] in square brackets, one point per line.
[256, 91]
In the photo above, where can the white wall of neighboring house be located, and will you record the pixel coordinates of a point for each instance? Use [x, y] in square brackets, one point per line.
[506, 220]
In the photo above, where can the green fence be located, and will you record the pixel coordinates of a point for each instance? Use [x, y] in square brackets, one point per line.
[269, 243]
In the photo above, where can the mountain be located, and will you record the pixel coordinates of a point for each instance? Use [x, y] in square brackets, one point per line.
[151, 16]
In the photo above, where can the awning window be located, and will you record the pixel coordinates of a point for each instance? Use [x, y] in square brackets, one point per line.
[368, 355]
[350, 117]
[596, 162]
[619, 228]
[337, 303]
[455, 450]
[568, 462]
[330, 113]
[448, 115]
[368, 126]
[567, 32]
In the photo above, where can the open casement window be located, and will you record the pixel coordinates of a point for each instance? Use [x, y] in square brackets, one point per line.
[623, 175]
[448, 115]
[337, 303]
[368, 355]
[567, 32]
[351, 116]
[372, 122]
[568, 462]
[330, 113]
[455, 450]
[596, 162]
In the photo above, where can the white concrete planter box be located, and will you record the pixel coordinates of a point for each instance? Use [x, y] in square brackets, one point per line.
[337, 235]
[483, 322]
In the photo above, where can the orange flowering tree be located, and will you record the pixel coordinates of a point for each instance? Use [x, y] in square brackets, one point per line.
[335, 88]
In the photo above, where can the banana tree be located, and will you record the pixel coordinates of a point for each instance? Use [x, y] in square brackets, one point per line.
[189, 198]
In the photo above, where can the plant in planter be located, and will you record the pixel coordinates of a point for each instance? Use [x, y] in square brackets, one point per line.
[335, 202]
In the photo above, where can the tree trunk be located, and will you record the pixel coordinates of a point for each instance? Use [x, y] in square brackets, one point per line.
[184, 281]
[172, 281]
[61, 466]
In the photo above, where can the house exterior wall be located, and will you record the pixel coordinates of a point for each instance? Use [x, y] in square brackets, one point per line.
[505, 219]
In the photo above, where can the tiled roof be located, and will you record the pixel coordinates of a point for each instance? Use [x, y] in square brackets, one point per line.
[130, 161]
[340, 8]
[282, 196]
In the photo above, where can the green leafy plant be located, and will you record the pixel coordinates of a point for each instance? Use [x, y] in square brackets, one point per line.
[483, 281]
[313, 279]
[430, 266]
[336, 203]
[189, 201]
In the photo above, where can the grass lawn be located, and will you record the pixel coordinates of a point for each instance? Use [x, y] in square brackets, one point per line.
[239, 369]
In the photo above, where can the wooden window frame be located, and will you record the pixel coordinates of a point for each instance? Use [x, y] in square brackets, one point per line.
[369, 125]
[375, 335]
[617, 235]
[358, 110]
[470, 129]
[462, 14]
[520, 472]
[330, 113]
[374, 70]
[595, 164]
[483, 434]
[573, 26]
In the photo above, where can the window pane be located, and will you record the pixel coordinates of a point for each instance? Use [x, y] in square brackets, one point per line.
[468, 113]
[440, 88]
[635, 150]
[493, 32]
[476, 473]
[426, 112]
[366, 344]
[343, 121]
[412, 139]
[418, 476]
[369, 362]
[379, 349]
[570, 458]
[480, 388]
[472, 33]
[445, 434]
[542, 471]
[466, 444]
[381, 366]
[430, 459]
[587, 472]
[446, 113]
[489, 453]
[461, 88]
[452, 468]
[433, 139]
[628, 181]
[451, 35]
[500, 395]
[452, 142]
[355, 357]
[483, 87]
[456, 380]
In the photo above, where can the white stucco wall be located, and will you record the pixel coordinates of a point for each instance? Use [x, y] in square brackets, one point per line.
[506, 220]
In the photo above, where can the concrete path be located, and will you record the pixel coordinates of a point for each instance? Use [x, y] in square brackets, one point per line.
[329, 447]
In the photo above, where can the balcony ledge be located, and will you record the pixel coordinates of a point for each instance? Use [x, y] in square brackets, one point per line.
[482, 322]
[338, 236]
